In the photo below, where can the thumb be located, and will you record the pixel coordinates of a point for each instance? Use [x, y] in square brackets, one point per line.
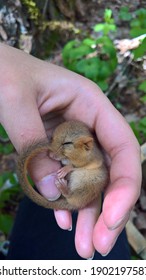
[43, 171]
[25, 127]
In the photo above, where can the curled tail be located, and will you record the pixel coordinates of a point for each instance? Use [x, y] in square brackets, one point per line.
[24, 159]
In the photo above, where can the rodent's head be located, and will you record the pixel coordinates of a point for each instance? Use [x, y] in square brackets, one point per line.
[72, 143]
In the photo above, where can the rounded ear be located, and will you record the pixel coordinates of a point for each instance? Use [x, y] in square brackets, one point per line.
[84, 142]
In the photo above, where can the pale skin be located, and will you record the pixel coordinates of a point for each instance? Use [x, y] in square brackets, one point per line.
[31, 89]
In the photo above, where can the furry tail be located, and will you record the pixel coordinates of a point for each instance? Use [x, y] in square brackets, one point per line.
[26, 156]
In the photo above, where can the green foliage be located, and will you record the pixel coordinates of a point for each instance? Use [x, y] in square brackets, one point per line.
[6, 149]
[143, 99]
[80, 56]
[8, 187]
[141, 50]
[95, 58]
[108, 25]
[142, 86]
[139, 129]
[138, 24]
[3, 133]
[124, 14]
[6, 223]
[33, 10]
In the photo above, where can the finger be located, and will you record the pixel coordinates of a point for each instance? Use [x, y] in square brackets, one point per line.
[87, 218]
[125, 171]
[118, 202]
[63, 219]
[103, 238]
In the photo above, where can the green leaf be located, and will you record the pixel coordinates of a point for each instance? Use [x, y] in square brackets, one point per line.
[6, 148]
[135, 32]
[3, 133]
[89, 67]
[89, 42]
[13, 179]
[67, 49]
[142, 122]
[104, 71]
[124, 14]
[141, 14]
[143, 99]
[4, 198]
[103, 85]
[105, 28]
[79, 52]
[5, 176]
[136, 131]
[6, 223]
[107, 15]
[99, 27]
[139, 128]
[135, 23]
[104, 40]
[1, 180]
[138, 24]
[109, 49]
[9, 182]
[141, 50]
[75, 50]
[139, 21]
[8, 186]
[71, 44]
[109, 27]
[142, 87]
[113, 64]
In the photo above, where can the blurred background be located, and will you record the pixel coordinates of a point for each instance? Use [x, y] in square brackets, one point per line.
[105, 42]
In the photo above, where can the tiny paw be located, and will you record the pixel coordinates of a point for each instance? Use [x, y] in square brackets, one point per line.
[61, 184]
[62, 172]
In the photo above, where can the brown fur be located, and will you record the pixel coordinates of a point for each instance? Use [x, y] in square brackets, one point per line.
[84, 174]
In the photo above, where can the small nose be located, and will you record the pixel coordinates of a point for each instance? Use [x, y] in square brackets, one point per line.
[53, 156]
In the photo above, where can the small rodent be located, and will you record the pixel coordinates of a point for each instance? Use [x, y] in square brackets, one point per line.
[83, 175]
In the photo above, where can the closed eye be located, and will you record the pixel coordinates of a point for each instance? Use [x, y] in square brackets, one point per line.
[67, 143]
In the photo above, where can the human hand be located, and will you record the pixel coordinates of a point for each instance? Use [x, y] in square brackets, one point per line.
[35, 97]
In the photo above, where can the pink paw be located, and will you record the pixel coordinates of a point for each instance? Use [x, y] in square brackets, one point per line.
[61, 184]
[62, 172]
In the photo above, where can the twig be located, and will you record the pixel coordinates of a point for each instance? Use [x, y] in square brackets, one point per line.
[119, 77]
[136, 240]
[45, 8]
[136, 66]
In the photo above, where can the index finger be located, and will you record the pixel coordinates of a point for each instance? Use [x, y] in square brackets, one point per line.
[125, 171]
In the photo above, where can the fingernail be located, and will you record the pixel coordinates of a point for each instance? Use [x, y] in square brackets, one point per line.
[110, 247]
[70, 229]
[104, 255]
[48, 188]
[92, 257]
